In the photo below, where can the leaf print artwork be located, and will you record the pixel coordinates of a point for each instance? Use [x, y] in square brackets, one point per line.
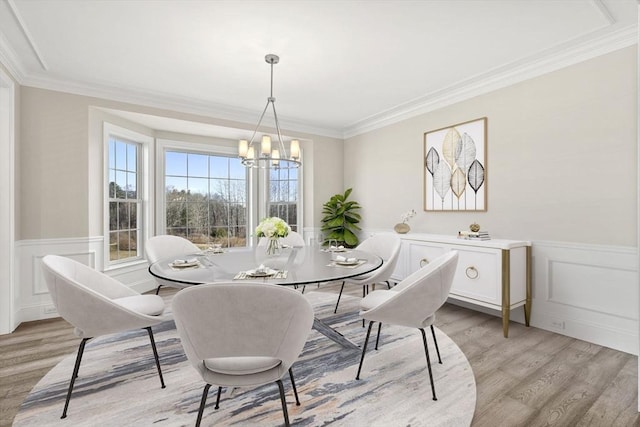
[476, 177]
[455, 162]
[431, 163]
[451, 147]
[458, 184]
[442, 180]
[467, 153]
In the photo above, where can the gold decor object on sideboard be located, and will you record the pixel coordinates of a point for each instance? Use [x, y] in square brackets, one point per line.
[475, 227]
[401, 228]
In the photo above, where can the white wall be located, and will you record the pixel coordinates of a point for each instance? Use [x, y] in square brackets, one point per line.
[561, 173]
[561, 163]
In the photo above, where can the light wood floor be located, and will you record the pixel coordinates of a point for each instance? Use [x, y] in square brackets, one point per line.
[533, 378]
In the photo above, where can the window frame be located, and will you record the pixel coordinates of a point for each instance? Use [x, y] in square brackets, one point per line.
[164, 145]
[144, 172]
[257, 183]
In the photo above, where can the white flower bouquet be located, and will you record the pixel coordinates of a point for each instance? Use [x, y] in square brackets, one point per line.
[272, 228]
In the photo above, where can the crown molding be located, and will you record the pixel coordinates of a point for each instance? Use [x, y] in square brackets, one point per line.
[164, 101]
[545, 62]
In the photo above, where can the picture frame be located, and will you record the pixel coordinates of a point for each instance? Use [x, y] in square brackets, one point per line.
[455, 168]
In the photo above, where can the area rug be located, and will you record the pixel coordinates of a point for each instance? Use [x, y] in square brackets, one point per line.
[118, 384]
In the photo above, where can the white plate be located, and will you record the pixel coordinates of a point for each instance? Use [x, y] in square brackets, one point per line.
[178, 264]
[347, 262]
[264, 273]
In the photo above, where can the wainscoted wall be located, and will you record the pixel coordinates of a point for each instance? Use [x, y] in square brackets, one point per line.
[584, 291]
[35, 302]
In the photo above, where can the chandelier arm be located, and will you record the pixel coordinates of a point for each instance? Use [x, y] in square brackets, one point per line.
[255, 131]
[275, 115]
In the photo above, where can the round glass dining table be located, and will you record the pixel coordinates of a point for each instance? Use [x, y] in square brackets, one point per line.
[293, 266]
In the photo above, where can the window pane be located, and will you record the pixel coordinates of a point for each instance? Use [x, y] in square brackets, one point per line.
[121, 184]
[113, 216]
[121, 155]
[175, 163]
[173, 184]
[133, 215]
[176, 214]
[132, 186]
[197, 165]
[123, 216]
[237, 170]
[132, 159]
[198, 186]
[219, 167]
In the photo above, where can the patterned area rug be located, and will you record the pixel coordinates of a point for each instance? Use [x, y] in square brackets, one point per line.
[118, 384]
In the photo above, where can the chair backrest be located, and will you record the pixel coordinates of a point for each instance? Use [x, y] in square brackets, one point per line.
[167, 246]
[293, 239]
[386, 246]
[242, 320]
[419, 295]
[83, 297]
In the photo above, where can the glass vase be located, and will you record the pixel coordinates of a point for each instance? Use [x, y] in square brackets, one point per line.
[273, 246]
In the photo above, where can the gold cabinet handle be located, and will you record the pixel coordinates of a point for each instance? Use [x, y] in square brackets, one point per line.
[423, 262]
[472, 272]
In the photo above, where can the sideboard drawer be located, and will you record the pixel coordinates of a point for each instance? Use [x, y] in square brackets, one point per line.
[478, 276]
[421, 254]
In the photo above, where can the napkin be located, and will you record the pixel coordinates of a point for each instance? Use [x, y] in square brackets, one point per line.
[334, 248]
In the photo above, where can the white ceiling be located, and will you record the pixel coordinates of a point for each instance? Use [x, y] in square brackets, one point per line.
[345, 67]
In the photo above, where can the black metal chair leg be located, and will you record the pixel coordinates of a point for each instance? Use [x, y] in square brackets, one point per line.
[303, 288]
[218, 398]
[158, 289]
[365, 291]
[155, 355]
[339, 295]
[433, 332]
[364, 349]
[203, 401]
[426, 352]
[293, 385]
[388, 284]
[378, 337]
[76, 367]
[284, 403]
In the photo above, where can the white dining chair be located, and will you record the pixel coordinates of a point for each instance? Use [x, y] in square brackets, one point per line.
[242, 334]
[386, 246]
[167, 246]
[413, 302]
[96, 304]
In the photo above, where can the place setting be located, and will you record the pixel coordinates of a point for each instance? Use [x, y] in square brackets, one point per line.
[261, 272]
[185, 263]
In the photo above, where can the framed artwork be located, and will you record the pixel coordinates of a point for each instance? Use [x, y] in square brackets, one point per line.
[455, 167]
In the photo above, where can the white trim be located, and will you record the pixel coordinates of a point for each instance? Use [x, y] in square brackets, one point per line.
[27, 34]
[572, 52]
[585, 291]
[145, 178]
[497, 78]
[8, 294]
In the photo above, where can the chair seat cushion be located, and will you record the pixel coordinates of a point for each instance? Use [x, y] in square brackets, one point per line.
[376, 298]
[244, 365]
[151, 305]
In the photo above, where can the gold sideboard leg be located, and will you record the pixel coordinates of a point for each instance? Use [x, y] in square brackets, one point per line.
[506, 291]
[527, 304]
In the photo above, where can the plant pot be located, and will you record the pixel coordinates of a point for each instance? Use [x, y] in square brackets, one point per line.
[402, 228]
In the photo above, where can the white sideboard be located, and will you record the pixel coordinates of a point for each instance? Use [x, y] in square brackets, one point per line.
[492, 273]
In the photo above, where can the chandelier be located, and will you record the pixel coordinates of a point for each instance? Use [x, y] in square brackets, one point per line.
[265, 154]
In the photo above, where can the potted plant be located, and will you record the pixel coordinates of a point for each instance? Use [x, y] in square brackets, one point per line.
[340, 219]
